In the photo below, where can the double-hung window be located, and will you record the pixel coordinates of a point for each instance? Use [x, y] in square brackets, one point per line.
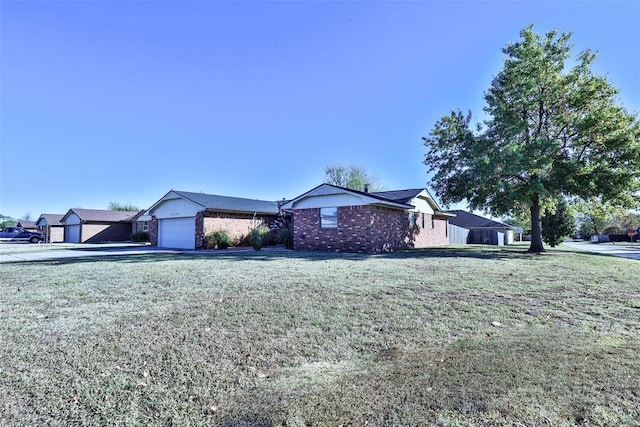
[329, 217]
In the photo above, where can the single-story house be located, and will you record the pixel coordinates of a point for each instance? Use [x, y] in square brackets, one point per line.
[332, 218]
[182, 219]
[51, 227]
[95, 225]
[466, 227]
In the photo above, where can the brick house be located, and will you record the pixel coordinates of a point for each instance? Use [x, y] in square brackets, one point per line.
[182, 219]
[332, 218]
[96, 225]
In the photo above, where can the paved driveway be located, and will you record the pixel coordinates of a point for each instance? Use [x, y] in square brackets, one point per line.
[31, 254]
[619, 250]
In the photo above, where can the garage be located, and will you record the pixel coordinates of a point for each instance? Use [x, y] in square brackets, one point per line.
[72, 233]
[177, 233]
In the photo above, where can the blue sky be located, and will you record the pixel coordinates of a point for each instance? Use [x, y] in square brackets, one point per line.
[121, 101]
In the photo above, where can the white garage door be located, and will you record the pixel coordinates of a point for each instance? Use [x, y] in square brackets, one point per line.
[72, 233]
[177, 233]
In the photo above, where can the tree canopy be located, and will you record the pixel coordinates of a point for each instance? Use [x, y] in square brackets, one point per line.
[551, 132]
[353, 177]
[127, 207]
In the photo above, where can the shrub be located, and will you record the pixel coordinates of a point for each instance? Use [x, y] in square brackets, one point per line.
[259, 236]
[285, 236]
[141, 236]
[218, 239]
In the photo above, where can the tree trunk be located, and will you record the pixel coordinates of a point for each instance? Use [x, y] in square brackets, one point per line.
[536, 229]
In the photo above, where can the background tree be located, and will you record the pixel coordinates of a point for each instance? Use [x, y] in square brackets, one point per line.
[6, 221]
[550, 133]
[557, 224]
[353, 177]
[26, 217]
[128, 207]
[594, 215]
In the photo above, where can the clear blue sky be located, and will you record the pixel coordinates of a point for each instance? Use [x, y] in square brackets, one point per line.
[121, 101]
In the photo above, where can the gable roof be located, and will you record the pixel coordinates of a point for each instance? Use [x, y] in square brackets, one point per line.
[52, 219]
[221, 203]
[405, 196]
[95, 215]
[402, 196]
[466, 219]
[328, 189]
[26, 223]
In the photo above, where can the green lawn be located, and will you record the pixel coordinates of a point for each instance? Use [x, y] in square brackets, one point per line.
[448, 336]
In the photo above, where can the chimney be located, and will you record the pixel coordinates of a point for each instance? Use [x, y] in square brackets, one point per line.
[366, 188]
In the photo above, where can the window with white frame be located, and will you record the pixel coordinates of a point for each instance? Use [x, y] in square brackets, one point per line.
[412, 219]
[329, 217]
[145, 225]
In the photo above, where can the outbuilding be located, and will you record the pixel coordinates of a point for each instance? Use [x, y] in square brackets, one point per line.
[466, 227]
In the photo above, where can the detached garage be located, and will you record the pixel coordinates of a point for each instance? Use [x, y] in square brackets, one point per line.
[182, 219]
[96, 226]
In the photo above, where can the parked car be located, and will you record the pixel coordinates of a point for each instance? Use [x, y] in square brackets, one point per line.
[19, 234]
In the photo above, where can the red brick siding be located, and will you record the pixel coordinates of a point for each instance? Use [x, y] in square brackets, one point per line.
[433, 233]
[153, 231]
[365, 229]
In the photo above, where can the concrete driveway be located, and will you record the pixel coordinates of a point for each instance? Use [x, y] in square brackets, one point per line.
[619, 250]
[27, 253]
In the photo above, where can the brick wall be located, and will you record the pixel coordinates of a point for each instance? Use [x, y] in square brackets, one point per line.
[238, 225]
[431, 231]
[366, 229]
[153, 231]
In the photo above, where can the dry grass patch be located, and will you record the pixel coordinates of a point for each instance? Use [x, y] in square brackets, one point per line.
[451, 336]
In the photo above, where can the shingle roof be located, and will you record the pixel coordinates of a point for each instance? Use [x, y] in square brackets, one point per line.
[26, 224]
[52, 219]
[466, 219]
[102, 215]
[401, 196]
[385, 200]
[230, 204]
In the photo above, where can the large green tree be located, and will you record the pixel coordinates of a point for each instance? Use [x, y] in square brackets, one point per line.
[551, 131]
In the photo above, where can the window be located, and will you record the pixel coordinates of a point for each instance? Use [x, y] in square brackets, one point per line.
[145, 226]
[328, 217]
[412, 219]
[422, 215]
[433, 222]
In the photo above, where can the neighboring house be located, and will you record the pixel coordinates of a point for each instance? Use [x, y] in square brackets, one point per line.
[27, 225]
[332, 218]
[94, 225]
[182, 219]
[51, 227]
[470, 228]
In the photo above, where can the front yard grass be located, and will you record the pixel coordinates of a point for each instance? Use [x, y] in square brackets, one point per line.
[448, 336]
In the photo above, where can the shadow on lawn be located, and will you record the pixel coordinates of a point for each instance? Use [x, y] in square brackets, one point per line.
[125, 254]
[277, 254]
